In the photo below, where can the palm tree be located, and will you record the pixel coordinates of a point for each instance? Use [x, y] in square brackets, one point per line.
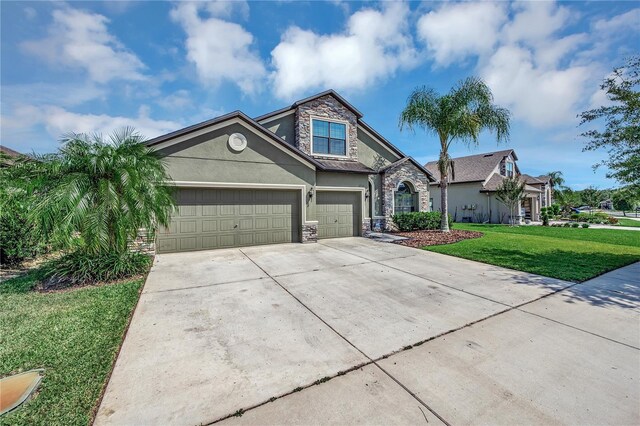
[103, 191]
[461, 114]
[557, 182]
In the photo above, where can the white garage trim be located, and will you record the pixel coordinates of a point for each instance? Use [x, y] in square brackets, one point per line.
[349, 189]
[232, 185]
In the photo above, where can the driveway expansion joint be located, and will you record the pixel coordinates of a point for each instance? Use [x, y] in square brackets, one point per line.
[371, 361]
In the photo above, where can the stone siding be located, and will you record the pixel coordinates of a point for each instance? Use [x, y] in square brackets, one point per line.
[143, 243]
[310, 233]
[366, 227]
[392, 177]
[379, 224]
[325, 107]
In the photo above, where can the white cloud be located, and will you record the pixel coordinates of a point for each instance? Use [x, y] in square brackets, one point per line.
[58, 121]
[458, 30]
[630, 19]
[540, 96]
[220, 50]
[373, 46]
[535, 21]
[176, 100]
[30, 13]
[81, 39]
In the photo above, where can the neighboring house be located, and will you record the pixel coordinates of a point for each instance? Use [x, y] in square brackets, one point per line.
[473, 182]
[544, 184]
[308, 171]
[8, 156]
[606, 204]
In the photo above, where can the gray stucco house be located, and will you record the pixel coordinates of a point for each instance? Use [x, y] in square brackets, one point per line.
[472, 186]
[311, 170]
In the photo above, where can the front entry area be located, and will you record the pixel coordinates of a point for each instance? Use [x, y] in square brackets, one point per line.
[338, 214]
[211, 218]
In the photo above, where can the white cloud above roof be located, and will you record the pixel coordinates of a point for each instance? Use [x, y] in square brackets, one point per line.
[220, 50]
[373, 46]
[81, 39]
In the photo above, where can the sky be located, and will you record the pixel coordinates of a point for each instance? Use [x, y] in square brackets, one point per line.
[97, 66]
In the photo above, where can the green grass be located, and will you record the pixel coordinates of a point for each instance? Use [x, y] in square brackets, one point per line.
[73, 335]
[628, 222]
[565, 253]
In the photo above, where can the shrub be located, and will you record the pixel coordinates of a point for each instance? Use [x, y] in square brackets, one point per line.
[612, 220]
[574, 216]
[82, 267]
[544, 214]
[566, 224]
[415, 221]
[585, 225]
[555, 209]
[575, 225]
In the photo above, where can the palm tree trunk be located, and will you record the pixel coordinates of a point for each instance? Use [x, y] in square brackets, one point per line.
[443, 166]
[444, 220]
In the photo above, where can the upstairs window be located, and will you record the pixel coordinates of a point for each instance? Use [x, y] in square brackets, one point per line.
[509, 169]
[329, 138]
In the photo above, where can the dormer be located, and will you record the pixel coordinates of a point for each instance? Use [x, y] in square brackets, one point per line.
[508, 166]
[327, 127]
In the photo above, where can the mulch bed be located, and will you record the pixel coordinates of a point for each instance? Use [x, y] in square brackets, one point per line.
[419, 239]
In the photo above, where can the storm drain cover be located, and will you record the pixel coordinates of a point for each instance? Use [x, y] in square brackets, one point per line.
[16, 389]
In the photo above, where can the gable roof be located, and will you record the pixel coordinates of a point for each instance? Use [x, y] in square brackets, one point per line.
[496, 180]
[296, 104]
[10, 152]
[414, 162]
[473, 168]
[248, 120]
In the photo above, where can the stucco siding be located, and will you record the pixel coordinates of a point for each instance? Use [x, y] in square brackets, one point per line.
[208, 158]
[469, 195]
[372, 154]
[341, 180]
[283, 127]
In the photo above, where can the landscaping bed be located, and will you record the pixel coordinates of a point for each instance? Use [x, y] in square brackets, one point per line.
[434, 238]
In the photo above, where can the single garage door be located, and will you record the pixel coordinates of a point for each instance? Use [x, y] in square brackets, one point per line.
[221, 218]
[338, 214]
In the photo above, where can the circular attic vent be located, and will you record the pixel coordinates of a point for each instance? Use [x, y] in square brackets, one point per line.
[237, 142]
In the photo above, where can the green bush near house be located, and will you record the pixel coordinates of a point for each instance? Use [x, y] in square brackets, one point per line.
[418, 221]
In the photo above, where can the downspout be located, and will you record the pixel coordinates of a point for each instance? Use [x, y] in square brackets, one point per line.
[488, 208]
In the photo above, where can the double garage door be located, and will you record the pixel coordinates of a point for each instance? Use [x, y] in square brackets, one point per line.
[221, 218]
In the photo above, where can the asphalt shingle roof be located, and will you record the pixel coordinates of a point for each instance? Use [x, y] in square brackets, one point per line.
[472, 168]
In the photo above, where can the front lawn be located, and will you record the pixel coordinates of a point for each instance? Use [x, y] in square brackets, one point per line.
[565, 253]
[628, 222]
[74, 335]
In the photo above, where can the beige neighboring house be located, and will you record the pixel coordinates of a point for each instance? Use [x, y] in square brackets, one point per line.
[473, 182]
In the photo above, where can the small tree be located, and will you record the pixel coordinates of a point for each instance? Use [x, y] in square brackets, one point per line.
[624, 200]
[510, 193]
[591, 197]
[103, 191]
[620, 136]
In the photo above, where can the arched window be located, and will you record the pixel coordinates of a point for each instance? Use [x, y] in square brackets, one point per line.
[405, 199]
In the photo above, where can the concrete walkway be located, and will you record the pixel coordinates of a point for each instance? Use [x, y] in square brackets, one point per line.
[356, 331]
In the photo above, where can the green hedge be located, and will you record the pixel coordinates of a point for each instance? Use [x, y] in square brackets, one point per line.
[419, 221]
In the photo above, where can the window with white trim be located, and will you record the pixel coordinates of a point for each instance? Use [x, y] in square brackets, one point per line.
[329, 138]
[509, 168]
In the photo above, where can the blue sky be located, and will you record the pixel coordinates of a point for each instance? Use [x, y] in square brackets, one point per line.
[95, 66]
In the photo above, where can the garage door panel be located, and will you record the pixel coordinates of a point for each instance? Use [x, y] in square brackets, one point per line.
[338, 214]
[218, 218]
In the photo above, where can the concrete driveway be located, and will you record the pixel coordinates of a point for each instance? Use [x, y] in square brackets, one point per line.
[357, 331]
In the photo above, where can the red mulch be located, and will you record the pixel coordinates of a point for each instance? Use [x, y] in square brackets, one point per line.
[419, 239]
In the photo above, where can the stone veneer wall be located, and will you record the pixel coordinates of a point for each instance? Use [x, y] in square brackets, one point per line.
[310, 233]
[143, 243]
[366, 227]
[327, 107]
[392, 177]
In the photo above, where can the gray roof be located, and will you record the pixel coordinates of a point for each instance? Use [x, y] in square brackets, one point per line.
[531, 180]
[9, 152]
[496, 180]
[344, 166]
[472, 168]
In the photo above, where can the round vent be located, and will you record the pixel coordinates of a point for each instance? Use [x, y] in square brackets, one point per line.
[237, 142]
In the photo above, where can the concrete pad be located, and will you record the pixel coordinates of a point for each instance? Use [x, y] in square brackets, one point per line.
[625, 281]
[193, 356]
[605, 306]
[366, 397]
[199, 268]
[295, 258]
[517, 368]
[381, 310]
[369, 249]
[492, 282]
